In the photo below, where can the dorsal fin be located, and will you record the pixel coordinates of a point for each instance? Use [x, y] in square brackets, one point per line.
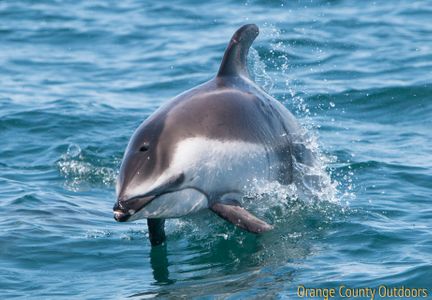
[234, 61]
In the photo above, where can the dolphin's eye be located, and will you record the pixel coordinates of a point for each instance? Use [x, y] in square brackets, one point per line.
[144, 148]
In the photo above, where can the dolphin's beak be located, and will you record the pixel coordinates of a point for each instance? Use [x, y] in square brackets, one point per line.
[121, 216]
[124, 209]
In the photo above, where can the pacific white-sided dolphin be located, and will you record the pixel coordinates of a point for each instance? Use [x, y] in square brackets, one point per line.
[204, 148]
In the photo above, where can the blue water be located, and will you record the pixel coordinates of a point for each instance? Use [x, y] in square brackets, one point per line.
[76, 79]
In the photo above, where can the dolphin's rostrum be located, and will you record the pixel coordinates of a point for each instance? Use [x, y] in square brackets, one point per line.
[204, 148]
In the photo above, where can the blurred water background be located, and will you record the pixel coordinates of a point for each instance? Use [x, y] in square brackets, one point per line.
[77, 77]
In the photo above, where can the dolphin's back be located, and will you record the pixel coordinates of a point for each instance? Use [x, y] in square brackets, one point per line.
[229, 112]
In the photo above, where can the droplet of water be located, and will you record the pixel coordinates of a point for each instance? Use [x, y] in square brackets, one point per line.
[73, 151]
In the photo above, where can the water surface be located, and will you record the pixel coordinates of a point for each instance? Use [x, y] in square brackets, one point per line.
[76, 79]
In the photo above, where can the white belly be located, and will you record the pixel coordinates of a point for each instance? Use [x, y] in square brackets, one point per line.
[215, 166]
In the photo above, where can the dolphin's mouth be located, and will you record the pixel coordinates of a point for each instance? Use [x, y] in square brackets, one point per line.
[124, 209]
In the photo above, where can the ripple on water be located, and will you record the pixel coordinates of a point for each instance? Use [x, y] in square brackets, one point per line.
[77, 79]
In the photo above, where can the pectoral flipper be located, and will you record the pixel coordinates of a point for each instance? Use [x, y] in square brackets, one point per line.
[240, 217]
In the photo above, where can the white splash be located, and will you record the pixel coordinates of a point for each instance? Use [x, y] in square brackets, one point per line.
[316, 183]
[80, 173]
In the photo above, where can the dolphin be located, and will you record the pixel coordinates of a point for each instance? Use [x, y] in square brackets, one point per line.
[204, 148]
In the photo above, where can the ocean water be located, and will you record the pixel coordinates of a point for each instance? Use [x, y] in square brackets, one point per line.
[76, 79]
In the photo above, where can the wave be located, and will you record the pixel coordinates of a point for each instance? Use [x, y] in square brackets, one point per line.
[412, 100]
